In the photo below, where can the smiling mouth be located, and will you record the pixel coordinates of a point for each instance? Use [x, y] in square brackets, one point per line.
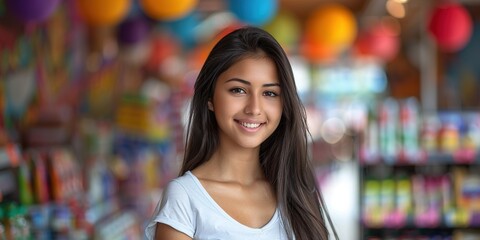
[250, 125]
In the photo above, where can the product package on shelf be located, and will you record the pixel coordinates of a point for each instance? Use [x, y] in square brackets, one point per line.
[397, 133]
[49, 195]
[393, 135]
[446, 201]
[387, 203]
[419, 173]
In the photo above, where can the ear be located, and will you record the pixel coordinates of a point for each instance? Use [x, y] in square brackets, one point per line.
[210, 105]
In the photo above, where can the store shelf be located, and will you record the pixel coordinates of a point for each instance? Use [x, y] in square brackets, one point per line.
[443, 221]
[461, 157]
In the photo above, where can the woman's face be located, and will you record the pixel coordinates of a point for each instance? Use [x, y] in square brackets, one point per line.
[247, 102]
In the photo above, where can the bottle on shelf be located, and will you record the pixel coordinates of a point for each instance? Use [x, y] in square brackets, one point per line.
[3, 235]
[18, 223]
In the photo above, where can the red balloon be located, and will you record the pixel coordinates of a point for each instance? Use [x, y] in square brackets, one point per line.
[163, 47]
[381, 41]
[451, 26]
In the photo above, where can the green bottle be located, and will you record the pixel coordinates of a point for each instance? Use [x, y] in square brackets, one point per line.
[14, 231]
[19, 226]
[24, 183]
[2, 227]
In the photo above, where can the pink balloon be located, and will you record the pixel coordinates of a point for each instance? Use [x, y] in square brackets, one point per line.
[381, 41]
[451, 26]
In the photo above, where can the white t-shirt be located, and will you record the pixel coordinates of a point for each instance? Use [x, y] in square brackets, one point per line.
[187, 207]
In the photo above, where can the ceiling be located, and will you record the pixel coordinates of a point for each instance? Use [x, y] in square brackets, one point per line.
[363, 9]
[416, 11]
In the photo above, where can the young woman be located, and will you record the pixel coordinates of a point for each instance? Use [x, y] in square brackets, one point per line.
[246, 172]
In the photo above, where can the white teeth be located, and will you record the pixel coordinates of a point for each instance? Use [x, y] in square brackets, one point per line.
[251, 125]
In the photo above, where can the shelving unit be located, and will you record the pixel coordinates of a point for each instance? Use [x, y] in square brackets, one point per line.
[420, 200]
[435, 195]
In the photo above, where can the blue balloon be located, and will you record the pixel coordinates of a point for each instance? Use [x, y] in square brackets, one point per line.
[253, 12]
[184, 29]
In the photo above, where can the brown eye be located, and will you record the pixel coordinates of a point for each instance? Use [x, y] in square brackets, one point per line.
[270, 94]
[237, 90]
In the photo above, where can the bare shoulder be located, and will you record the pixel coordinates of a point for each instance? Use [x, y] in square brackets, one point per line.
[165, 232]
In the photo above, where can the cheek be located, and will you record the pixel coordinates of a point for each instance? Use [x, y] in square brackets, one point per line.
[275, 111]
[224, 109]
[221, 105]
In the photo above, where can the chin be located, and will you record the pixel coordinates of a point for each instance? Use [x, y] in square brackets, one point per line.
[249, 145]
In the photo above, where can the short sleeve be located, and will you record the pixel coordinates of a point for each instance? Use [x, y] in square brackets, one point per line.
[174, 210]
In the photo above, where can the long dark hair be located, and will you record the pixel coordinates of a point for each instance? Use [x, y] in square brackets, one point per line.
[284, 155]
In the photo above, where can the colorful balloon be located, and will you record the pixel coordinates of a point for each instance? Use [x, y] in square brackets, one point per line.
[167, 9]
[104, 12]
[183, 29]
[31, 10]
[163, 46]
[451, 26]
[333, 26]
[316, 52]
[285, 28]
[132, 30]
[252, 11]
[380, 40]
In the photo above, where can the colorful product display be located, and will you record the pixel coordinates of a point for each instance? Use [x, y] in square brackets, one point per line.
[398, 133]
[419, 173]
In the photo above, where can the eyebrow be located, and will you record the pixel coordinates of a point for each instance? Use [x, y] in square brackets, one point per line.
[248, 83]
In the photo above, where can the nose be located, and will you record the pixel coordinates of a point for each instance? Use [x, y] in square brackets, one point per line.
[253, 106]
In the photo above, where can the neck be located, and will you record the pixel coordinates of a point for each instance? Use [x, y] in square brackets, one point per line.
[241, 166]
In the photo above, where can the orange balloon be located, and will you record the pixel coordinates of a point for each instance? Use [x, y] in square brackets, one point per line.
[316, 52]
[332, 25]
[167, 9]
[104, 12]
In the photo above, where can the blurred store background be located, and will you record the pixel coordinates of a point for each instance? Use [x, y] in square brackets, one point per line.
[93, 98]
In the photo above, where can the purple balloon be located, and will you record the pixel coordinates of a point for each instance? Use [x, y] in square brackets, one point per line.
[31, 10]
[132, 30]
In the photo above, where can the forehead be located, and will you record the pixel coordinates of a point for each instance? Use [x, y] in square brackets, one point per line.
[257, 68]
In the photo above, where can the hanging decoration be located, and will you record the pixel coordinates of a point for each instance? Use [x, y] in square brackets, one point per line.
[285, 28]
[167, 10]
[332, 26]
[317, 53]
[252, 11]
[183, 29]
[451, 26]
[380, 40]
[133, 30]
[103, 13]
[31, 11]
[133, 37]
[163, 47]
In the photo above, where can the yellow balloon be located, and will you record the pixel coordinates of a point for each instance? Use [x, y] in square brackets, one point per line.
[167, 9]
[104, 12]
[333, 26]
